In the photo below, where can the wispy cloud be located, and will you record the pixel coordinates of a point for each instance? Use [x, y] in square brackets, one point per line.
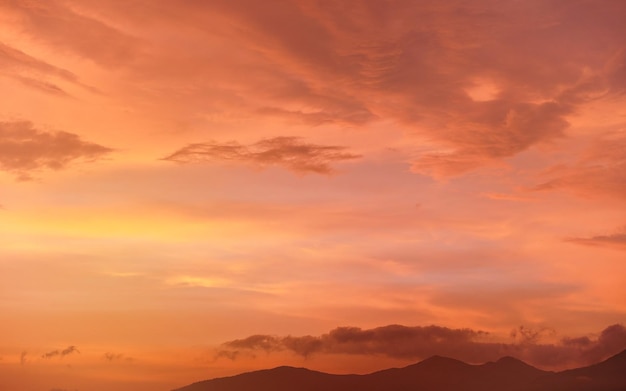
[32, 72]
[48, 21]
[289, 152]
[61, 352]
[111, 357]
[493, 130]
[598, 170]
[616, 240]
[507, 197]
[25, 149]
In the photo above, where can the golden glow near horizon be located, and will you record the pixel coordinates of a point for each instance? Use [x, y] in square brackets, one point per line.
[194, 189]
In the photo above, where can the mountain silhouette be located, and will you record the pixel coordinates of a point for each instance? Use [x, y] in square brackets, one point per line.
[433, 374]
[609, 375]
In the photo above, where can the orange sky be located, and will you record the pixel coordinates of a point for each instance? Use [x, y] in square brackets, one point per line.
[193, 189]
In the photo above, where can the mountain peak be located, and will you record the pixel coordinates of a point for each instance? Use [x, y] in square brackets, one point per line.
[289, 368]
[508, 361]
[440, 359]
[621, 356]
[616, 361]
[435, 373]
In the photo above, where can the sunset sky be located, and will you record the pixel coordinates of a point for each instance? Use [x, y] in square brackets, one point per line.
[192, 189]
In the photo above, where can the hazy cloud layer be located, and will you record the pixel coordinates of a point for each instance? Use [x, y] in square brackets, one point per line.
[472, 77]
[61, 352]
[600, 169]
[617, 240]
[32, 72]
[416, 343]
[24, 149]
[534, 88]
[48, 22]
[289, 152]
[481, 81]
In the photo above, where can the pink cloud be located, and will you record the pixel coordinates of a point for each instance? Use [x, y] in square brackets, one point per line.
[615, 240]
[25, 149]
[300, 61]
[598, 170]
[14, 59]
[289, 152]
[32, 72]
[48, 22]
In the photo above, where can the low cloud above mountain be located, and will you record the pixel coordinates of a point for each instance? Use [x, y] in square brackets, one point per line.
[419, 342]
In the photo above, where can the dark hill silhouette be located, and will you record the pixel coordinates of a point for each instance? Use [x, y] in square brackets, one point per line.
[609, 375]
[433, 374]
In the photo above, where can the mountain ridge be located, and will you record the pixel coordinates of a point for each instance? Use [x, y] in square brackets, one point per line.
[436, 373]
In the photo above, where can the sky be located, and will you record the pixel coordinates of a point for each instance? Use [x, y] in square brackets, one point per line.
[192, 189]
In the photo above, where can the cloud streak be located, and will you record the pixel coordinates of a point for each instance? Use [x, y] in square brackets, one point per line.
[97, 41]
[32, 72]
[111, 357]
[615, 240]
[60, 353]
[419, 342]
[24, 149]
[289, 152]
[600, 169]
